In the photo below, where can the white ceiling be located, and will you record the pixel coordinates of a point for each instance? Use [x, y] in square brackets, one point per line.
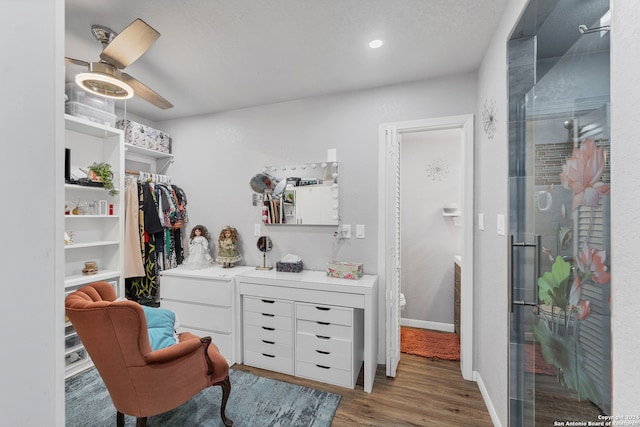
[218, 55]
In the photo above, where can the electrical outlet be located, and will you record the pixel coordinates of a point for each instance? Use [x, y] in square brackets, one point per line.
[257, 230]
[345, 232]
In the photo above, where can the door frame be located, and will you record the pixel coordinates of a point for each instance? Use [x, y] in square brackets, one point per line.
[466, 124]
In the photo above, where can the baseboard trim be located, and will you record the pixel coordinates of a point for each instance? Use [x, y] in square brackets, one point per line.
[487, 400]
[423, 324]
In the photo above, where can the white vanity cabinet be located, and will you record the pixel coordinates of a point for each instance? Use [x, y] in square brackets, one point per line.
[268, 334]
[204, 303]
[91, 235]
[309, 325]
[329, 343]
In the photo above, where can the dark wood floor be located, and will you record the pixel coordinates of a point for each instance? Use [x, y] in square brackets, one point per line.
[425, 392]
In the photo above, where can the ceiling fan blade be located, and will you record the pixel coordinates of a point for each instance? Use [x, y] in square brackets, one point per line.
[75, 61]
[130, 44]
[146, 93]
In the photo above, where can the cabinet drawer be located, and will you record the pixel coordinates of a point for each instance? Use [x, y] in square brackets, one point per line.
[325, 374]
[327, 357]
[259, 333]
[199, 316]
[268, 361]
[75, 357]
[269, 348]
[331, 345]
[203, 291]
[268, 306]
[71, 340]
[323, 330]
[268, 320]
[325, 313]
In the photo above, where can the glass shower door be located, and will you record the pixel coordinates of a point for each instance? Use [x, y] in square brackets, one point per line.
[560, 343]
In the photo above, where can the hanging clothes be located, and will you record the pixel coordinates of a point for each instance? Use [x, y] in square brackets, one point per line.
[133, 265]
[161, 216]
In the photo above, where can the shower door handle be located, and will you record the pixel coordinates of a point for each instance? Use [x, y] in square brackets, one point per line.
[536, 271]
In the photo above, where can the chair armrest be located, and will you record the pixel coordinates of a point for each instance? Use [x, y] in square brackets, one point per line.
[174, 352]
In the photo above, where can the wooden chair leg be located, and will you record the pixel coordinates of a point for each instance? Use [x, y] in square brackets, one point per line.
[226, 391]
[120, 419]
[141, 422]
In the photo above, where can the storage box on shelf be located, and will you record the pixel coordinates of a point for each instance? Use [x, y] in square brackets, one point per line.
[92, 237]
[144, 136]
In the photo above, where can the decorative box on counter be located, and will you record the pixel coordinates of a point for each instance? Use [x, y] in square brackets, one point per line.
[344, 270]
[145, 136]
[290, 264]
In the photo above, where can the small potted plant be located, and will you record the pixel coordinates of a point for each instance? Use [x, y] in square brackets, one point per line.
[101, 172]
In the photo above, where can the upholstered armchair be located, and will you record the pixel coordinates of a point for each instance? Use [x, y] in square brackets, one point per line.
[140, 381]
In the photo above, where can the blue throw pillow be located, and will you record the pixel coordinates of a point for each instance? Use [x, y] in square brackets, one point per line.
[161, 323]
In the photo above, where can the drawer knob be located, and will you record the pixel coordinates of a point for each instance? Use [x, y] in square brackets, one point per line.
[268, 355]
[323, 308]
[323, 323]
[268, 314]
[323, 367]
[323, 352]
[266, 328]
[323, 337]
[267, 301]
[268, 342]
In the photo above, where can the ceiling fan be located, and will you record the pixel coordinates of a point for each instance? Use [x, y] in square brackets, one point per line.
[105, 77]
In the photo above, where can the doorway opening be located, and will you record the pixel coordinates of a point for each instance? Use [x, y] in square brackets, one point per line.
[389, 241]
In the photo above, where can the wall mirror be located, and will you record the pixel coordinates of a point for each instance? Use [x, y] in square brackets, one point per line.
[299, 194]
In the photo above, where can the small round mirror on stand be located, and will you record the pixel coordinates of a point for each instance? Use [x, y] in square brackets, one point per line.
[264, 245]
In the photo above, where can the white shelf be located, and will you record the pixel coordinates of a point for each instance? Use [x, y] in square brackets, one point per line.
[146, 152]
[92, 216]
[91, 244]
[87, 127]
[83, 279]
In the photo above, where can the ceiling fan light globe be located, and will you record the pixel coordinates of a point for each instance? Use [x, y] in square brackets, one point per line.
[104, 85]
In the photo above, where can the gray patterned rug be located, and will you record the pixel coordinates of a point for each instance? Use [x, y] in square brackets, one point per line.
[254, 402]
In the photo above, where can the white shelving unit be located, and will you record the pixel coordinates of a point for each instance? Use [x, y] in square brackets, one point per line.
[95, 237]
[158, 162]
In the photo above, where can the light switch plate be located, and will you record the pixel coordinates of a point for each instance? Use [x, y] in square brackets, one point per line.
[346, 231]
[359, 231]
[480, 221]
[500, 225]
[257, 230]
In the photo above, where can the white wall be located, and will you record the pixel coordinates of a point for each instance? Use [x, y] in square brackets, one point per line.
[625, 179]
[31, 307]
[430, 178]
[216, 156]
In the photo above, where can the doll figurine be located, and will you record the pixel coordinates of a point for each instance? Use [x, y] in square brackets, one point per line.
[228, 247]
[199, 256]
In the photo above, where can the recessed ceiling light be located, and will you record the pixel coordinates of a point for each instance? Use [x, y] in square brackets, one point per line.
[374, 44]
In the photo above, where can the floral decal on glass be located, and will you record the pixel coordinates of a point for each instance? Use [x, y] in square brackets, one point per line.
[558, 328]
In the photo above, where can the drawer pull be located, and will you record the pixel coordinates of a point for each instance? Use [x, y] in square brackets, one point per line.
[268, 314]
[268, 342]
[323, 352]
[323, 367]
[323, 323]
[323, 337]
[266, 328]
[268, 355]
[267, 301]
[323, 308]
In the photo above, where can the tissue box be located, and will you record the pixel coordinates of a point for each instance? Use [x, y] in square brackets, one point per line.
[344, 270]
[145, 136]
[290, 267]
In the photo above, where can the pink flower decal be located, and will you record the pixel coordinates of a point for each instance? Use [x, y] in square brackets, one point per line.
[581, 174]
[592, 261]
